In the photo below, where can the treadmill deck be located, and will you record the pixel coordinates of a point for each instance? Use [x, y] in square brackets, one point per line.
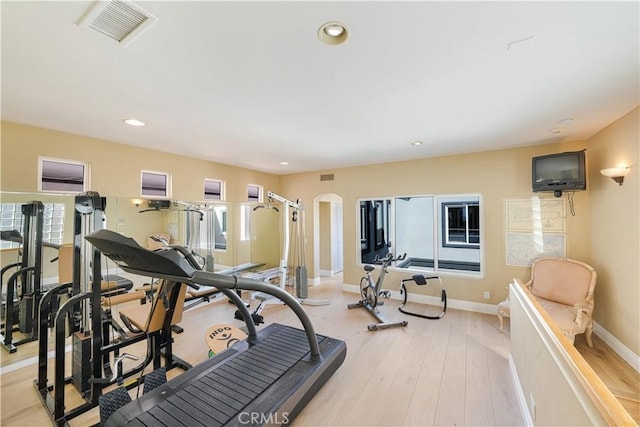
[267, 383]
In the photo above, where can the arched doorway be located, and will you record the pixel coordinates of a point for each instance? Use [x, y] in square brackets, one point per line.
[328, 235]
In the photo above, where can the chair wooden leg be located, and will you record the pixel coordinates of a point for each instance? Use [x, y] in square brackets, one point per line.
[588, 333]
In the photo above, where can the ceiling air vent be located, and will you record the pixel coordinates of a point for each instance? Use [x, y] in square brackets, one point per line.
[119, 20]
[326, 177]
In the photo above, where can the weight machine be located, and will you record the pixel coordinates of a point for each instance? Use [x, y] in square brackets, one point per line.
[91, 327]
[285, 366]
[25, 284]
[300, 274]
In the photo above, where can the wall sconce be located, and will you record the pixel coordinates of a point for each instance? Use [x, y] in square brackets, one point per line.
[616, 174]
[137, 202]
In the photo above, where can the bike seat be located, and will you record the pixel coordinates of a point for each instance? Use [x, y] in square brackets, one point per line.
[422, 280]
[369, 268]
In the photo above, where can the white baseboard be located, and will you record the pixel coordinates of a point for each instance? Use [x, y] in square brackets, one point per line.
[313, 281]
[477, 307]
[325, 273]
[622, 350]
[522, 401]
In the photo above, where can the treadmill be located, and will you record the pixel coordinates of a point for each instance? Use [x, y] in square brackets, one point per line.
[265, 380]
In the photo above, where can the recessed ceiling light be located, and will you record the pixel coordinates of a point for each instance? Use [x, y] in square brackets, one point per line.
[416, 143]
[333, 33]
[334, 30]
[284, 163]
[134, 122]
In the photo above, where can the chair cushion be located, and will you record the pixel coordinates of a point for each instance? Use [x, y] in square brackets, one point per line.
[564, 316]
[561, 280]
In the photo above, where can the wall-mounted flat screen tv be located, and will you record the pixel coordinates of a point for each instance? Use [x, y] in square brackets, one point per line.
[559, 172]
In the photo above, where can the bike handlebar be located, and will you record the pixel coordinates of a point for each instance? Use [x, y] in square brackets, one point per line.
[387, 259]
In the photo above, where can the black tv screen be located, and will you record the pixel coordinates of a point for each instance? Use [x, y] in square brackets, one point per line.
[558, 172]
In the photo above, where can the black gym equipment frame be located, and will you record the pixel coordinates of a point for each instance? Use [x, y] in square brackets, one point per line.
[266, 379]
[422, 280]
[29, 274]
[90, 327]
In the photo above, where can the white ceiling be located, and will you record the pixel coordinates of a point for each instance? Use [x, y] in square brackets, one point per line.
[249, 83]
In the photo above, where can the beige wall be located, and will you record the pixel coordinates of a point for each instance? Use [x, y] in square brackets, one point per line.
[614, 230]
[496, 175]
[115, 173]
[115, 168]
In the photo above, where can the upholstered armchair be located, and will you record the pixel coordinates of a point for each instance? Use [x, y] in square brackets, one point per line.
[564, 288]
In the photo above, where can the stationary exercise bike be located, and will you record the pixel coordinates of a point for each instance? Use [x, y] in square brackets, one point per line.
[371, 292]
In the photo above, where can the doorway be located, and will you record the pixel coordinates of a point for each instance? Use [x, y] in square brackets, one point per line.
[328, 235]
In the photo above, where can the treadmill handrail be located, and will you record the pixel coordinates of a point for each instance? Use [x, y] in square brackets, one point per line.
[133, 258]
[234, 282]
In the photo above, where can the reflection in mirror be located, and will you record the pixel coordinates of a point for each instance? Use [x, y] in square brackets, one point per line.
[438, 233]
[375, 229]
[259, 241]
[206, 233]
[459, 233]
[238, 233]
[414, 231]
[57, 228]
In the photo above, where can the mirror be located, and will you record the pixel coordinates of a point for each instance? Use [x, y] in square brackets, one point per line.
[241, 232]
[437, 233]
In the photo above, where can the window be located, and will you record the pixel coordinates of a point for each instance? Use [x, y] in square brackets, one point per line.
[213, 189]
[62, 175]
[155, 184]
[11, 218]
[254, 193]
[461, 225]
[438, 233]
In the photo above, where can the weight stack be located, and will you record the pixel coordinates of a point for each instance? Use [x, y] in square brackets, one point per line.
[25, 314]
[302, 290]
[81, 361]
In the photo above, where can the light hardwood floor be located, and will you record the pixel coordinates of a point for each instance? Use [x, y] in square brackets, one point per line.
[451, 371]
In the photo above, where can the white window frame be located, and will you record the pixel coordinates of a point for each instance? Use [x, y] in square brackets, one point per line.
[156, 196]
[446, 226]
[85, 178]
[222, 189]
[260, 193]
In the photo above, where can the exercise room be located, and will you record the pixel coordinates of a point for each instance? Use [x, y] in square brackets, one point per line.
[320, 213]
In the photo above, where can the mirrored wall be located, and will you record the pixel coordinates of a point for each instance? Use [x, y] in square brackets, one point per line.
[223, 234]
[437, 233]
